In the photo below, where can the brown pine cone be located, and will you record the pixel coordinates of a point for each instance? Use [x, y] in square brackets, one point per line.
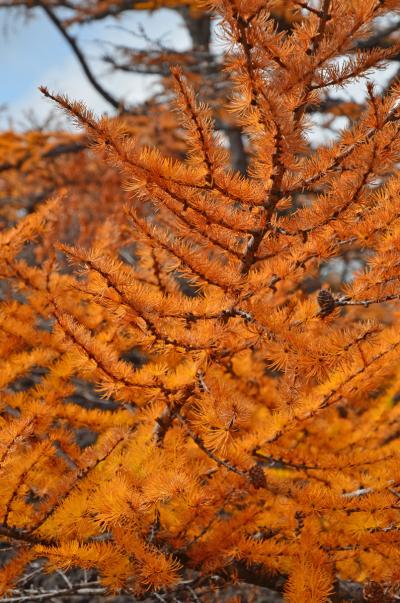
[257, 477]
[326, 302]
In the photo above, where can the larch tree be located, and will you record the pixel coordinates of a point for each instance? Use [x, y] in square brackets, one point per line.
[199, 317]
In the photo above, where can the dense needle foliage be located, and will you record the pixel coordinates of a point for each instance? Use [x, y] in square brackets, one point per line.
[241, 394]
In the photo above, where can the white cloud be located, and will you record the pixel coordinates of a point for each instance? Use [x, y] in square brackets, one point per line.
[68, 78]
[62, 72]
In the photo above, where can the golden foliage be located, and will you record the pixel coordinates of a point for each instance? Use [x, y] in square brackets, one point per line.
[242, 417]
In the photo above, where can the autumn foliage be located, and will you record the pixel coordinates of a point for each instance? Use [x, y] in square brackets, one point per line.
[240, 392]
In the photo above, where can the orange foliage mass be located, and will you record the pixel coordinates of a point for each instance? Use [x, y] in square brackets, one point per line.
[246, 422]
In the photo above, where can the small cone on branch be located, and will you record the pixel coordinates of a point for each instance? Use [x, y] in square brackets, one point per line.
[257, 476]
[326, 302]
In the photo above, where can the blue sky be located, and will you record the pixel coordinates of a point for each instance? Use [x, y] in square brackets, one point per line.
[33, 53]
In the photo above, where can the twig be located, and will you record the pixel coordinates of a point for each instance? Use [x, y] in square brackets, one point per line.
[367, 302]
[324, 17]
[65, 578]
[198, 440]
[357, 493]
[78, 589]
[311, 9]
[117, 104]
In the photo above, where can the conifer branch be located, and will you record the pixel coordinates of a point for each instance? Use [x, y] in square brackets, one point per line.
[323, 19]
[199, 442]
[241, 329]
[92, 589]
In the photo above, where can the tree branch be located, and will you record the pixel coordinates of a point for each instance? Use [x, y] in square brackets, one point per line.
[117, 104]
[344, 590]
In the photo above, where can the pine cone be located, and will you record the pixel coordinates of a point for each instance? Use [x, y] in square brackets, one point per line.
[326, 302]
[257, 477]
